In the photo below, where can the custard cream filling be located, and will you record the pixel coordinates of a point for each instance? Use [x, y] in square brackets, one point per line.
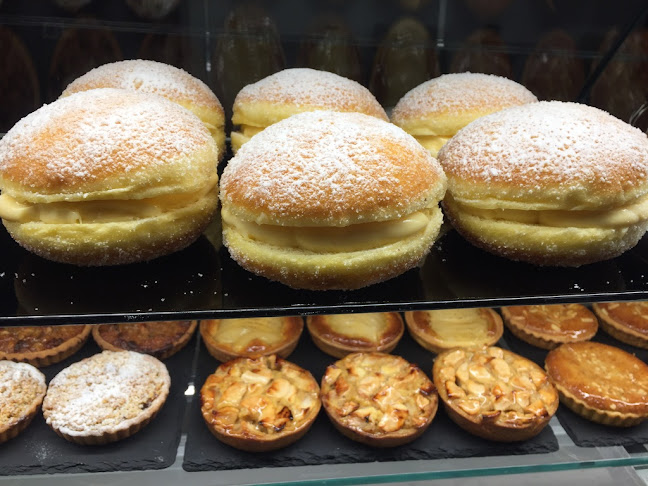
[355, 237]
[248, 131]
[623, 216]
[433, 143]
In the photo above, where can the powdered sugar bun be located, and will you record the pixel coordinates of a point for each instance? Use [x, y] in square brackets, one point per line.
[106, 177]
[161, 79]
[331, 200]
[550, 183]
[293, 91]
[437, 109]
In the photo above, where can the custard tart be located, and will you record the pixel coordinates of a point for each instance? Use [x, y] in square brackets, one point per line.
[442, 329]
[602, 383]
[22, 388]
[378, 399]
[549, 326]
[494, 393]
[42, 345]
[251, 337]
[625, 321]
[342, 334]
[259, 404]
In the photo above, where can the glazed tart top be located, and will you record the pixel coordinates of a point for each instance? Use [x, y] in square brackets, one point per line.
[496, 385]
[145, 337]
[378, 394]
[29, 339]
[358, 331]
[22, 388]
[259, 398]
[571, 321]
[629, 315]
[603, 377]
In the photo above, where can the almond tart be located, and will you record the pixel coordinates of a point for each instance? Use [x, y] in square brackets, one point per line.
[442, 329]
[259, 404]
[602, 383]
[22, 388]
[549, 326]
[159, 339]
[625, 321]
[107, 397]
[378, 399]
[251, 337]
[494, 394]
[342, 334]
[42, 345]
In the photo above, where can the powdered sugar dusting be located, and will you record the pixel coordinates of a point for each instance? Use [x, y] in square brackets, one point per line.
[462, 92]
[333, 164]
[22, 386]
[310, 87]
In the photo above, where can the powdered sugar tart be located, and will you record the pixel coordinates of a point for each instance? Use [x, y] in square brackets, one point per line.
[22, 388]
[378, 399]
[259, 404]
[494, 393]
[625, 321]
[107, 397]
[329, 200]
[106, 177]
[549, 183]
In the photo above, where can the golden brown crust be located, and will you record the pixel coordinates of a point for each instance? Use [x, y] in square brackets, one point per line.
[603, 383]
[259, 404]
[42, 345]
[549, 326]
[378, 399]
[159, 339]
[440, 330]
[342, 334]
[21, 395]
[625, 321]
[228, 339]
[494, 393]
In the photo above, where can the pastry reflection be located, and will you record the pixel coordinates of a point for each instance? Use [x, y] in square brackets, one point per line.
[331, 48]
[554, 71]
[19, 86]
[175, 50]
[152, 9]
[483, 52]
[71, 5]
[405, 58]
[487, 9]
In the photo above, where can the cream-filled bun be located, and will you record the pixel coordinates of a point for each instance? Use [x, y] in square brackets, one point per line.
[106, 177]
[437, 109]
[293, 91]
[161, 79]
[549, 183]
[330, 200]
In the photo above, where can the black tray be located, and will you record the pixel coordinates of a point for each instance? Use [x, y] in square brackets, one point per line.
[39, 450]
[324, 445]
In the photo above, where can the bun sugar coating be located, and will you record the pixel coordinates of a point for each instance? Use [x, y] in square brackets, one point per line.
[549, 183]
[161, 79]
[293, 91]
[107, 177]
[329, 200]
[437, 109]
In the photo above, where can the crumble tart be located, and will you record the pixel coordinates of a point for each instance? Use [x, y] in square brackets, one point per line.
[159, 339]
[625, 321]
[378, 399]
[549, 326]
[42, 345]
[22, 388]
[602, 383]
[259, 404]
[442, 329]
[251, 337]
[494, 394]
[342, 334]
[107, 397]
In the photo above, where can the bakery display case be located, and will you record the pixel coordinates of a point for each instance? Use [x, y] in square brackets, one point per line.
[558, 50]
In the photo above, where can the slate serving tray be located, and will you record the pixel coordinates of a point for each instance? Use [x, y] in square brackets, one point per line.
[39, 450]
[324, 445]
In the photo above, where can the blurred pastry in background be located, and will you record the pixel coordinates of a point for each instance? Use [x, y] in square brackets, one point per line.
[412, 5]
[19, 86]
[71, 5]
[487, 9]
[622, 87]
[483, 52]
[554, 71]
[405, 58]
[77, 52]
[152, 9]
[172, 49]
[330, 47]
[248, 50]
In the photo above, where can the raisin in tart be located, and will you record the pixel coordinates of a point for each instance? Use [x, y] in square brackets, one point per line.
[22, 388]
